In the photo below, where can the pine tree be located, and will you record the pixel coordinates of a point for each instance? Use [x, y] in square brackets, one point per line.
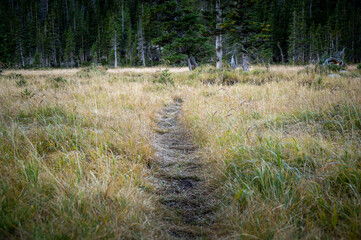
[247, 33]
[183, 35]
[113, 30]
[37, 61]
[181, 31]
[69, 48]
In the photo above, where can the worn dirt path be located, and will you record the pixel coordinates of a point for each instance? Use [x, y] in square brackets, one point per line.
[180, 179]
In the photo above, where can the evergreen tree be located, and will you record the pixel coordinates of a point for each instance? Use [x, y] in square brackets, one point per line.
[112, 37]
[183, 35]
[69, 47]
[247, 33]
[181, 31]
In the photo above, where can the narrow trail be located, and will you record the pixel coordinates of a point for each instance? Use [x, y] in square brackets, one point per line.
[180, 179]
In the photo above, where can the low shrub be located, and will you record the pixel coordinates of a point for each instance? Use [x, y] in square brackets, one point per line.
[165, 78]
[92, 71]
[60, 80]
[27, 94]
[19, 79]
[21, 82]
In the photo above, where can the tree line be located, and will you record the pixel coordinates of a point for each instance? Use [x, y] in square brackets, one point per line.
[71, 33]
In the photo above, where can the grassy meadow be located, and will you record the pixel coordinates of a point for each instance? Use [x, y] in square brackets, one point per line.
[281, 146]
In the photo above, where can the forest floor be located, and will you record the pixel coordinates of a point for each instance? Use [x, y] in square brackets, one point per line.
[142, 153]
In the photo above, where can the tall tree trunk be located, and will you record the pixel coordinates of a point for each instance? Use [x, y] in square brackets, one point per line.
[44, 8]
[67, 10]
[54, 56]
[353, 44]
[336, 42]
[219, 50]
[115, 52]
[233, 63]
[282, 56]
[21, 54]
[54, 43]
[311, 53]
[193, 62]
[294, 38]
[303, 32]
[141, 42]
[82, 46]
[245, 63]
[122, 17]
[189, 64]
[99, 44]
[74, 22]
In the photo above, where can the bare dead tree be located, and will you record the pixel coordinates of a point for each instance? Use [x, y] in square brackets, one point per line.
[189, 64]
[141, 42]
[282, 56]
[115, 50]
[194, 63]
[245, 60]
[219, 50]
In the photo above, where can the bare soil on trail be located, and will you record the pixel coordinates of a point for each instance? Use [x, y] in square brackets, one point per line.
[180, 179]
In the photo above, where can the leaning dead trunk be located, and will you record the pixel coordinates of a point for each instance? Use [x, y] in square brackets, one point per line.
[245, 63]
[189, 64]
[193, 62]
[219, 51]
[333, 61]
[282, 56]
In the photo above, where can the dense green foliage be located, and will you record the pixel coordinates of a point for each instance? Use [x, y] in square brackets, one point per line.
[68, 33]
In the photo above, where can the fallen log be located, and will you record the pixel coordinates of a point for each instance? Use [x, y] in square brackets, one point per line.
[333, 61]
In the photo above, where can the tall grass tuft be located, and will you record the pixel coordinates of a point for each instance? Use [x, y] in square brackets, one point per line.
[74, 159]
[287, 154]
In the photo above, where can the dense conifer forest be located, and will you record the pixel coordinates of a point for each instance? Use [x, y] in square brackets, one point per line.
[72, 33]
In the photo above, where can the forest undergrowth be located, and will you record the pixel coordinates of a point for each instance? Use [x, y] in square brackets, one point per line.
[281, 148]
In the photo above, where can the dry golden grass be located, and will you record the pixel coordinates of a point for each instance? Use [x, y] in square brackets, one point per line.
[72, 71]
[63, 72]
[148, 70]
[287, 152]
[283, 148]
[74, 155]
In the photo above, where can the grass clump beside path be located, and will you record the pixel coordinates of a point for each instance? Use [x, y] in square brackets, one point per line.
[289, 154]
[73, 159]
